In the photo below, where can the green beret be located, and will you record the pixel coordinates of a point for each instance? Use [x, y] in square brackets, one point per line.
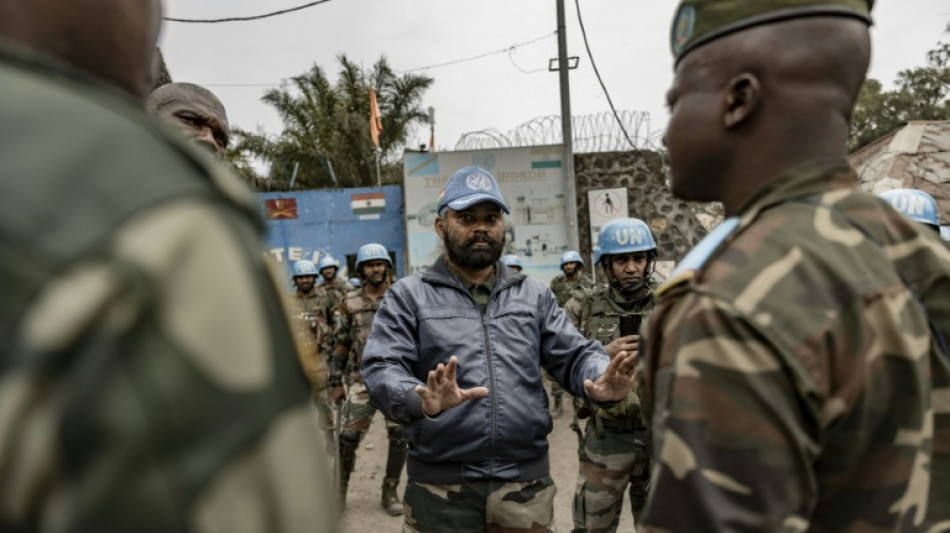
[698, 22]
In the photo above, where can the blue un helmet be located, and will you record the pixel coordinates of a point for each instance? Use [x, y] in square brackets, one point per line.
[571, 256]
[355, 282]
[304, 268]
[624, 236]
[328, 261]
[372, 252]
[914, 204]
[512, 261]
[945, 233]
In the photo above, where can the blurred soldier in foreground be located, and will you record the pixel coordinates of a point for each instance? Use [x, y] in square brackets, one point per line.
[196, 111]
[353, 319]
[613, 446]
[513, 262]
[456, 353]
[796, 362]
[145, 383]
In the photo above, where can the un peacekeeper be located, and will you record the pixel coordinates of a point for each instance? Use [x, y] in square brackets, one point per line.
[144, 377]
[330, 291]
[915, 205]
[572, 268]
[196, 111]
[513, 262]
[311, 325]
[353, 318]
[796, 365]
[456, 352]
[613, 446]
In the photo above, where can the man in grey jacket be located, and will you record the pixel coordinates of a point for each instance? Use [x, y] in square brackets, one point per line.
[455, 354]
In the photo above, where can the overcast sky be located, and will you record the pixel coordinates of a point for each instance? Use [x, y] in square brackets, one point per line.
[628, 39]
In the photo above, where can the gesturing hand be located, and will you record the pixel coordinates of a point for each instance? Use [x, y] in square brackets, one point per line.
[442, 392]
[630, 343]
[616, 382]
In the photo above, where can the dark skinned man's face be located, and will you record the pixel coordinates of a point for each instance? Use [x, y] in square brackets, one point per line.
[570, 269]
[694, 135]
[305, 283]
[474, 238]
[374, 272]
[328, 273]
[200, 120]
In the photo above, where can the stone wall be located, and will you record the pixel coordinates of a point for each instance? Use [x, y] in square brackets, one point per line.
[675, 225]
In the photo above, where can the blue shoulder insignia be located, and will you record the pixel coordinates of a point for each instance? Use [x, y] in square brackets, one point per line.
[700, 253]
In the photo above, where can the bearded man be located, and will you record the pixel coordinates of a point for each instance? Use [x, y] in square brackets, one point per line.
[455, 355]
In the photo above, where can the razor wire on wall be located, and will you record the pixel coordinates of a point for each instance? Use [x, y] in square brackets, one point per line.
[592, 133]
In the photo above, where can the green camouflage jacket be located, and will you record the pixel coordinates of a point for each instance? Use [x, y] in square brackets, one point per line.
[790, 377]
[595, 312]
[562, 288]
[328, 296]
[353, 319]
[145, 383]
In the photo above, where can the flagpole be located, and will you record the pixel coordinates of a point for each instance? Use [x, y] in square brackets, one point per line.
[379, 182]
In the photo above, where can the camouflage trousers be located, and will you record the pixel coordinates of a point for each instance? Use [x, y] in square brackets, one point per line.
[609, 460]
[358, 412]
[325, 414]
[481, 506]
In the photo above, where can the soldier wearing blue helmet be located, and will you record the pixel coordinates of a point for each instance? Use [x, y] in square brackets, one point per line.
[915, 205]
[353, 318]
[572, 266]
[613, 446]
[512, 261]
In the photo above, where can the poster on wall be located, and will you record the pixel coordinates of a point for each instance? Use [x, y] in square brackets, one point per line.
[604, 205]
[531, 180]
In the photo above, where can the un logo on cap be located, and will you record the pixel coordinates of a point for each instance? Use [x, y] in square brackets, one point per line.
[478, 181]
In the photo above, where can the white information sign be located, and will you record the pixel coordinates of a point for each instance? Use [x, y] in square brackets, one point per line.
[603, 206]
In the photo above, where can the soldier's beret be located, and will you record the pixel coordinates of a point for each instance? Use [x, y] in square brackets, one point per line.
[698, 22]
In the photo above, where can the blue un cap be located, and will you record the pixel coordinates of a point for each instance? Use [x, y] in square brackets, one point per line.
[470, 186]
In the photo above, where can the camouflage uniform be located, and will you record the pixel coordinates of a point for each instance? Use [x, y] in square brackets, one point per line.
[145, 383]
[353, 319]
[310, 327]
[478, 506]
[563, 288]
[328, 296]
[613, 446]
[790, 375]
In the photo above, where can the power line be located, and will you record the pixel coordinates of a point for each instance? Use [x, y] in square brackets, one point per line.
[599, 79]
[242, 19]
[486, 54]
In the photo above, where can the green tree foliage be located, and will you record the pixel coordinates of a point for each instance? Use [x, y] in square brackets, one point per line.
[920, 94]
[326, 127]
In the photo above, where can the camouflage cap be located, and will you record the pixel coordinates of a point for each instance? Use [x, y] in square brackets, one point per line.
[698, 22]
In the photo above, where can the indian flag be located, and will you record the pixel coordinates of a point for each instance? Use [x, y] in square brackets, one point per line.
[368, 203]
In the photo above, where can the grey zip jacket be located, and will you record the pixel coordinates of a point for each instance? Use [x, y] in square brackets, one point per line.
[429, 317]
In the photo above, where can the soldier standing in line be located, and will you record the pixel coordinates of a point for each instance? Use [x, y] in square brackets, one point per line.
[329, 292]
[613, 447]
[353, 318]
[572, 268]
[796, 366]
[311, 326]
[145, 376]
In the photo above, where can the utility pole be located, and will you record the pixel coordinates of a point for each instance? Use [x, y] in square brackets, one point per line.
[567, 132]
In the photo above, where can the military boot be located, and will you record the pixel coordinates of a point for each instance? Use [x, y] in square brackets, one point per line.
[558, 409]
[349, 442]
[390, 497]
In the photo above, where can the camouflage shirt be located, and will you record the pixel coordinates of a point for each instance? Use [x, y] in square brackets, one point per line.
[353, 319]
[311, 328]
[791, 379]
[596, 312]
[562, 287]
[328, 296]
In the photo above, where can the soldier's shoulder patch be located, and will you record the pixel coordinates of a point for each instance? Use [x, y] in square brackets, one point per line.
[686, 270]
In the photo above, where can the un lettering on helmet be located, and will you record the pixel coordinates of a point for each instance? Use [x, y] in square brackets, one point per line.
[629, 236]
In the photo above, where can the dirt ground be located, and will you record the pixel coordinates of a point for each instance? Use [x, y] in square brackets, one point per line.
[364, 515]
